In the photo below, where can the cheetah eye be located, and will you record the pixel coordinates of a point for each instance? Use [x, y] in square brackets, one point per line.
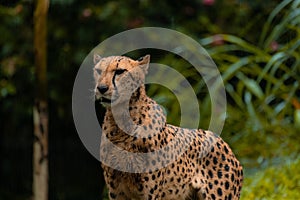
[99, 71]
[120, 71]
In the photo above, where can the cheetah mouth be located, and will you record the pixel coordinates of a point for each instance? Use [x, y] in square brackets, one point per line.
[105, 100]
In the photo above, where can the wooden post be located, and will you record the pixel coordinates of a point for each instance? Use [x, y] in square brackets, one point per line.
[40, 108]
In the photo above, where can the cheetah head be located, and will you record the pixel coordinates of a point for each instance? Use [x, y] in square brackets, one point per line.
[118, 77]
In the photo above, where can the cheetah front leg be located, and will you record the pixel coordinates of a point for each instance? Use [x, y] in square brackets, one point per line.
[114, 192]
[115, 195]
[198, 185]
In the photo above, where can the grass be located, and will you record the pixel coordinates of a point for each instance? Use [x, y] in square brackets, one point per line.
[276, 182]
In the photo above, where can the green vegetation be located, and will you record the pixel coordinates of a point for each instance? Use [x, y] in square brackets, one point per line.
[276, 182]
[255, 44]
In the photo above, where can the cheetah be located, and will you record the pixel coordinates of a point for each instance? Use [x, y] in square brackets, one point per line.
[195, 164]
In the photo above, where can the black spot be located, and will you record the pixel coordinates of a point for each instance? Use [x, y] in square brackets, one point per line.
[112, 195]
[146, 178]
[215, 160]
[226, 185]
[232, 177]
[232, 162]
[226, 168]
[220, 193]
[210, 173]
[207, 163]
[223, 157]
[202, 172]
[153, 177]
[225, 149]
[213, 196]
[138, 91]
[158, 174]
[151, 191]
[220, 174]
[238, 174]
[229, 196]
[140, 121]
[210, 185]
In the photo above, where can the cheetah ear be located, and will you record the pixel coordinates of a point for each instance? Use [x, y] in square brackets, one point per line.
[97, 58]
[144, 63]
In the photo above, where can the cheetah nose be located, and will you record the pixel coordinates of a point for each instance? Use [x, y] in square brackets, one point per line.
[102, 88]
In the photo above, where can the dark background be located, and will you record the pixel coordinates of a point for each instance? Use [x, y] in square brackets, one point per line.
[262, 131]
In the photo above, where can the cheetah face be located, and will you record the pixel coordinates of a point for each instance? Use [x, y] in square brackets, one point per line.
[117, 77]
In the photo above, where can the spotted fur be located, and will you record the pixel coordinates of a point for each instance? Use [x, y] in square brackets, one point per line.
[206, 169]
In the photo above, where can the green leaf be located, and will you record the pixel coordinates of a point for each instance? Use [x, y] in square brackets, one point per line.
[251, 85]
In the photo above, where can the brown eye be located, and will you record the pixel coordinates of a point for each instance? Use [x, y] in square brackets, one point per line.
[120, 71]
[99, 71]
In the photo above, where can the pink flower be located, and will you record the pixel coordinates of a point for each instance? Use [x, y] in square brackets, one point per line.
[208, 2]
[87, 12]
[218, 40]
[274, 46]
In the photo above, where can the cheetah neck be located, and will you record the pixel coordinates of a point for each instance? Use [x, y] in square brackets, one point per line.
[126, 124]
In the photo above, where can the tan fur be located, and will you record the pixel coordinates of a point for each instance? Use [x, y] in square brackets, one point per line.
[207, 169]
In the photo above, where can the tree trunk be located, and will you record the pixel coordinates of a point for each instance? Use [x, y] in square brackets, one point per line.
[40, 108]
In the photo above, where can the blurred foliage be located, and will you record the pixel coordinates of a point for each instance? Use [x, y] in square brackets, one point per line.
[280, 182]
[254, 43]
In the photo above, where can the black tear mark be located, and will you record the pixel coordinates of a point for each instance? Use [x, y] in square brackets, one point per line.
[113, 80]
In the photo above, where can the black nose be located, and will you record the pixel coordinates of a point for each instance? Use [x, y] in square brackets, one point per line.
[102, 88]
